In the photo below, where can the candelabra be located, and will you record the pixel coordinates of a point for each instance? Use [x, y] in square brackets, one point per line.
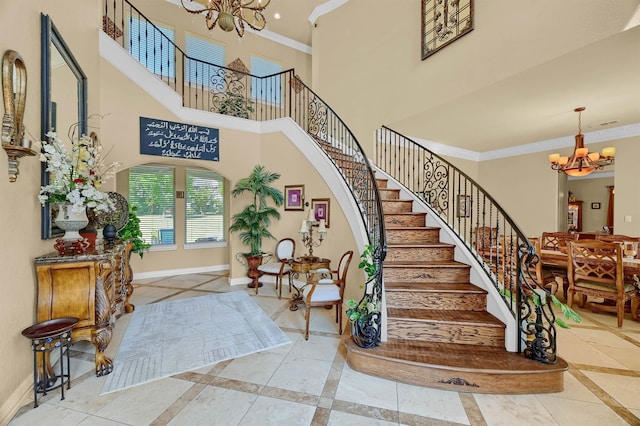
[307, 232]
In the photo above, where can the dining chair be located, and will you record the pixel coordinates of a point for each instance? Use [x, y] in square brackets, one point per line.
[535, 277]
[323, 291]
[543, 276]
[595, 269]
[281, 265]
[485, 241]
[557, 241]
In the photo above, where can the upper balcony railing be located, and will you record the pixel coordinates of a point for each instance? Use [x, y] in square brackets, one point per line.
[506, 255]
[233, 91]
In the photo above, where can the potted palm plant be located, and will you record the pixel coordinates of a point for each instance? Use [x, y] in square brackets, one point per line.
[254, 220]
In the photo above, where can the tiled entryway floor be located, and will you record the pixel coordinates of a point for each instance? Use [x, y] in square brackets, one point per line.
[309, 383]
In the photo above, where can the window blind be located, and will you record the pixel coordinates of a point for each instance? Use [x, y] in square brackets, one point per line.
[204, 206]
[151, 190]
[205, 50]
[152, 46]
[265, 89]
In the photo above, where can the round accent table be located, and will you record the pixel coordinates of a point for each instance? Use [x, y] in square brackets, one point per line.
[45, 337]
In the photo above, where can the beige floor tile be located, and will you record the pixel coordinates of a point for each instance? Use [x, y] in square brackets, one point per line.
[338, 418]
[185, 281]
[576, 391]
[256, 368]
[140, 405]
[270, 411]
[434, 403]
[511, 410]
[624, 389]
[215, 406]
[368, 390]
[575, 350]
[602, 337]
[317, 347]
[301, 375]
[49, 415]
[630, 358]
[569, 412]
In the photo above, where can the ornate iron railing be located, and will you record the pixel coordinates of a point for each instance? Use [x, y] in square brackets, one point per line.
[504, 252]
[233, 91]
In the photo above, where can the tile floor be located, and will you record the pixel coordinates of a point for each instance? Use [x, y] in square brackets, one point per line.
[309, 383]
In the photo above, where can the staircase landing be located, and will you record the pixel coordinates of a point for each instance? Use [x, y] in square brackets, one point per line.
[459, 368]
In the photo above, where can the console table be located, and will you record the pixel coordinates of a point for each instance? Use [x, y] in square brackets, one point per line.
[94, 287]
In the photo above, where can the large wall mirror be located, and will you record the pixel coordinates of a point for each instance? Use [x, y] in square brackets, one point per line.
[64, 101]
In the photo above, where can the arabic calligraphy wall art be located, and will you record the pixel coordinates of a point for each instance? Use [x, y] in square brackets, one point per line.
[178, 140]
[443, 22]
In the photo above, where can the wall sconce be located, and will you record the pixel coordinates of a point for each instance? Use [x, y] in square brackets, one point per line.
[14, 91]
[306, 229]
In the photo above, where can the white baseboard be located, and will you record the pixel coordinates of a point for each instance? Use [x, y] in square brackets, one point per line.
[183, 271]
[21, 396]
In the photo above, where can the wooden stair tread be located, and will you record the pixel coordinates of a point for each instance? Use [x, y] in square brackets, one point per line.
[466, 288]
[457, 357]
[445, 316]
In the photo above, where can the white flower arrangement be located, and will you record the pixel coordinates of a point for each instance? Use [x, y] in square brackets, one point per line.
[76, 177]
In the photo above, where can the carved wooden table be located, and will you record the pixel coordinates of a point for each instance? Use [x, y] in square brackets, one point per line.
[305, 265]
[93, 287]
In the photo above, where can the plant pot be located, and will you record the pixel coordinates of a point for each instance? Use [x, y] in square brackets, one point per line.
[253, 261]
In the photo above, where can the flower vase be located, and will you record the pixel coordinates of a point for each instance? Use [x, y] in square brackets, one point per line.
[71, 222]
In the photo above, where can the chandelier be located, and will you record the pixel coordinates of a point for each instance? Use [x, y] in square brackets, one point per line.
[230, 14]
[582, 162]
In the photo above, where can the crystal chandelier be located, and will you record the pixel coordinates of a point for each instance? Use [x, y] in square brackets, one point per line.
[582, 162]
[230, 14]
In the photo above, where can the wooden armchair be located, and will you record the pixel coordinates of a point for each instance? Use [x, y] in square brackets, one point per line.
[326, 291]
[535, 277]
[557, 241]
[485, 241]
[595, 269]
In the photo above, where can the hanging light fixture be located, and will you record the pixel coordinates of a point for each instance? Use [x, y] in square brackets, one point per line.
[582, 162]
[230, 14]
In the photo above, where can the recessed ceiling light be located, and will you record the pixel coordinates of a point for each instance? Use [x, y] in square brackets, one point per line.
[276, 15]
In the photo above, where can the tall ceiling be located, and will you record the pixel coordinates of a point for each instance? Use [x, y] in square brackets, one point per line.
[603, 77]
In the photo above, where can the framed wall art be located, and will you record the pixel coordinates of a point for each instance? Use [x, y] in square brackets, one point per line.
[321, 210]
[463, 206]
[443, 22]
[294, 197]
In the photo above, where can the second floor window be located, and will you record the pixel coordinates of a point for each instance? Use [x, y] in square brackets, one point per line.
[206, 56]
[153, 46]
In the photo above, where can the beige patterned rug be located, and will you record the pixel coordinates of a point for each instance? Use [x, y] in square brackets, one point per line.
[167, 338]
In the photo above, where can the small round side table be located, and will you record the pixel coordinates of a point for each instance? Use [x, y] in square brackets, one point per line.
[45, 337]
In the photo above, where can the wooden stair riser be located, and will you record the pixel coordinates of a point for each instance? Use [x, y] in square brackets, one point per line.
[397, 206]
[399, 220]
[389, 194]
[382, 183]
[412, 235]
[423, 253]
[435, 300]
[426, 274]
[446, 332]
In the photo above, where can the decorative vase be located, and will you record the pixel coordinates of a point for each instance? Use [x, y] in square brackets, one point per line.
[71, 222]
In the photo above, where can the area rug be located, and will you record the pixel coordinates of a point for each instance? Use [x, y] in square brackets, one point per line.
[167, 338]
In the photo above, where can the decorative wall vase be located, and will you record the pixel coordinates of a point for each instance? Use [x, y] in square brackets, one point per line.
[71, 222]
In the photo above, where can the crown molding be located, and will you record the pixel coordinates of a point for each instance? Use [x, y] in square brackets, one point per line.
[325, 8]
[606, 135]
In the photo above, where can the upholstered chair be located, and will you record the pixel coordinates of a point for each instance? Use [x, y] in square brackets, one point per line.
[280, 265]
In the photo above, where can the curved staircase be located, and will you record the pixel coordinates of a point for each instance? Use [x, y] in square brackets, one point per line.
[439, 332]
